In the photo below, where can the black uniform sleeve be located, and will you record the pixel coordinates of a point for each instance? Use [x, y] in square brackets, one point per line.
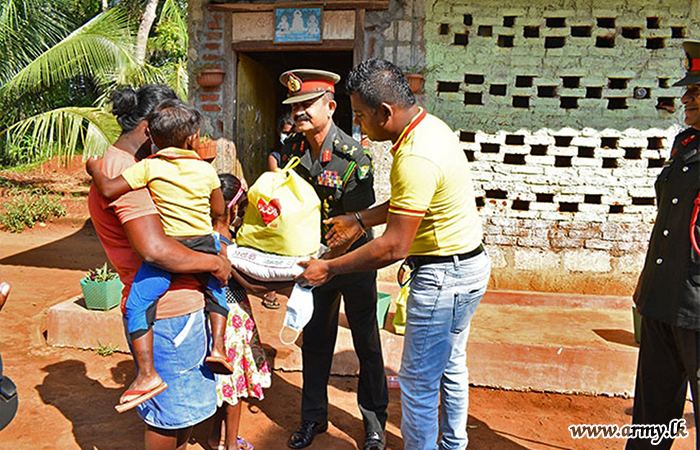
[359, 188]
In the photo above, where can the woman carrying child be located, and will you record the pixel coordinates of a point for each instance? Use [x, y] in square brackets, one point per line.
[251, 373]
[187, 194]
[130, 231]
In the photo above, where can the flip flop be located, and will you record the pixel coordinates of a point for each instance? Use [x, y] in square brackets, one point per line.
[270, 303]
[219, 365]
[142, 397]
[243, 444]
[4, 293]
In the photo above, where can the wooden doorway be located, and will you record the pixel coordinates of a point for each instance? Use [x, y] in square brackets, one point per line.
[259, 98]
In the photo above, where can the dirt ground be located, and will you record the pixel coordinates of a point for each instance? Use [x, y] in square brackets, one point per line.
[67, 395]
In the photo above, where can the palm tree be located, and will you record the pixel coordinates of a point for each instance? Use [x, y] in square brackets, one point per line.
[97, 56]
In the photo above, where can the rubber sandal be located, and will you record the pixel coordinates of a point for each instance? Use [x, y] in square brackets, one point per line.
[4, 293]
[270, 303]
[219, 365]
[142, 397]
[243, 444]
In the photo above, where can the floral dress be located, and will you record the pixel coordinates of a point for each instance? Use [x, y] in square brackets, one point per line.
[251, 373]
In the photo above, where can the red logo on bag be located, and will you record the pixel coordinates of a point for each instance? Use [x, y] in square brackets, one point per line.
[269, 211]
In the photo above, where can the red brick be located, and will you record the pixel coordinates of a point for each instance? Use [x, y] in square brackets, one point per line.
[211, 108]
[211, 57]
[209, 97]
[212, 46]
[214, 35]
[213, 26]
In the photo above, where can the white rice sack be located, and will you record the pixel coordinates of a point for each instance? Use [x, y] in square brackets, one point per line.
[267, 266]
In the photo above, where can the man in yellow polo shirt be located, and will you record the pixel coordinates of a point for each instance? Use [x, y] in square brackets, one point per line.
[431, 220]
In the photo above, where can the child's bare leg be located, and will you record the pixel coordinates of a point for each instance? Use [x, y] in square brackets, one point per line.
[146, 378]
[218, 428]
[218, 327]
[233, 419]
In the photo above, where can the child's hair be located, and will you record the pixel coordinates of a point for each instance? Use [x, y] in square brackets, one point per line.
[233, 191]
[284, 119]
[172, 122]
[133, 106]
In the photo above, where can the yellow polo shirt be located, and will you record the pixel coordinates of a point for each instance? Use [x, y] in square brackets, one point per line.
[181, 184]
[430, 178]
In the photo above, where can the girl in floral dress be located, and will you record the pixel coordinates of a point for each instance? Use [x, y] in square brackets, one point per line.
[251, 372]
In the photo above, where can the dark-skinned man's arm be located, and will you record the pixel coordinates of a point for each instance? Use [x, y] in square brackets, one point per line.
[390, 247]
[346, 229]
[148, 240]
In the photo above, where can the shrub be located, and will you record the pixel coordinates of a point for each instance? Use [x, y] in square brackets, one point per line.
[29, 207]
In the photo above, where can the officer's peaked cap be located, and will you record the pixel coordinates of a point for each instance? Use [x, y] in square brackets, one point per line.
[307, 84]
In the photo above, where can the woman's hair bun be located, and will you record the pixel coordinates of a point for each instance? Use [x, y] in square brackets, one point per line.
[124, 102]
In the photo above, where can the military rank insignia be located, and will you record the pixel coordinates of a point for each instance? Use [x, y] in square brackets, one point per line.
[326, 155]
[689, 139]
[363, 171]
[330, 179]
[294, 83]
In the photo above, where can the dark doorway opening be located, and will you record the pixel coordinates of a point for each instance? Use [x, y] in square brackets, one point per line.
[339, 62]
[259, 98]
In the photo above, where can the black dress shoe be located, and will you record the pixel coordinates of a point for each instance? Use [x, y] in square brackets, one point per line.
[374, 441]
[304, 435]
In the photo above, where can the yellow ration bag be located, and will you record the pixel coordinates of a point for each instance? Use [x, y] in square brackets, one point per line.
[400, 314]
[283, 215]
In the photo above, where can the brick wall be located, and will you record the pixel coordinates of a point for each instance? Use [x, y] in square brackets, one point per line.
[208, 32]
[566, 110]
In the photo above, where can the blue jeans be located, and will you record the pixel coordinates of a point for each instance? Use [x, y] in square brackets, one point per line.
[440, 306]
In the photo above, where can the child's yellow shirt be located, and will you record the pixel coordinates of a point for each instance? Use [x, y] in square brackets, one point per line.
[181, 184]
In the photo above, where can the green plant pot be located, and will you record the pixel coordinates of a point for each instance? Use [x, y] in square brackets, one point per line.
[383, 302]
[102, 295]
[637, 320]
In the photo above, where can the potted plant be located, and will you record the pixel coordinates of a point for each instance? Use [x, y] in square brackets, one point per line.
[416, 77]
[210, 76]
[207, 148]
[102, 288]
[416, 81]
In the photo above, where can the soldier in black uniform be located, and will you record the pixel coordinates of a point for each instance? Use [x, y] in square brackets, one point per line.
[341, 172]
[668, 291]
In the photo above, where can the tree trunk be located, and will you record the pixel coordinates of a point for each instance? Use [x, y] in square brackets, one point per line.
[149, 15]
[105, 5]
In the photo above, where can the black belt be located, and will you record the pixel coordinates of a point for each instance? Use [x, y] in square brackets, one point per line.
[416, 261]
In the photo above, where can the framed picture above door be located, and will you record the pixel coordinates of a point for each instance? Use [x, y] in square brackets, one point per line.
[295, 25]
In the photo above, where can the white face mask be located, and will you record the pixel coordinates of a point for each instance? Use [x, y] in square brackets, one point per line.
[300, 308]
[283, 137]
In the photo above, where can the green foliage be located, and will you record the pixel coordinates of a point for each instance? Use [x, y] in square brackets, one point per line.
[60, 131]
[59, 63]
[27, 27]
[28, 207]
[101, 274]
[106, 350]
[19, 153]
